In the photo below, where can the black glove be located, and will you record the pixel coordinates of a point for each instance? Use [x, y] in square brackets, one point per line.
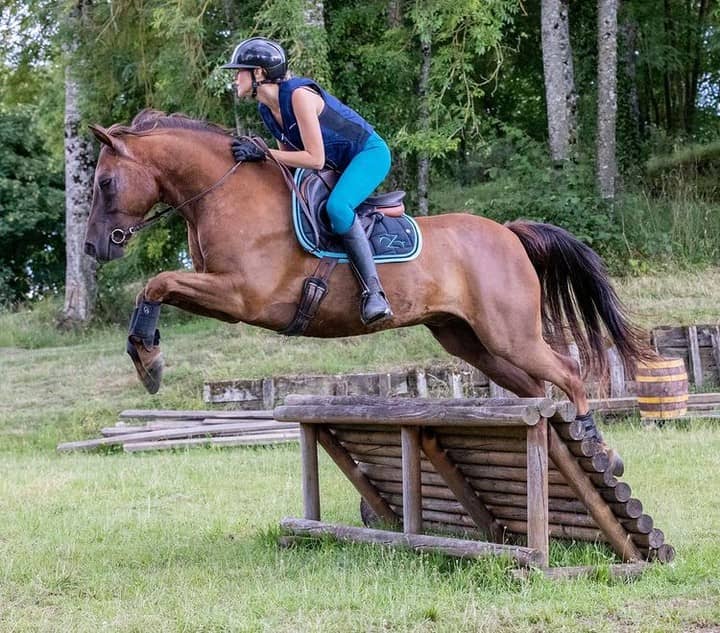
[245, 151]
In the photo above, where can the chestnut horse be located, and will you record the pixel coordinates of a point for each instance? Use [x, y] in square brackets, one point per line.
[487, 292]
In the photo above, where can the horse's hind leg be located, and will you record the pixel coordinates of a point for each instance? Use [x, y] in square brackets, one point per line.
[458, 338]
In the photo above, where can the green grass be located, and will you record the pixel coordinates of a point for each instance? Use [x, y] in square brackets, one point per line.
[186, 541]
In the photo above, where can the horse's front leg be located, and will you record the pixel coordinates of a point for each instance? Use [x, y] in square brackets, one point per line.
[206, 294]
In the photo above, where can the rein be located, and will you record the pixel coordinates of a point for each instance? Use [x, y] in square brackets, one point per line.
[121, 236]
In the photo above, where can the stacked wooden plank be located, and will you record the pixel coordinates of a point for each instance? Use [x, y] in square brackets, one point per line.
[154, 430]
[475, 468]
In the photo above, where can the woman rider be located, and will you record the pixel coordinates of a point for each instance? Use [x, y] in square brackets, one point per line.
[315, 130]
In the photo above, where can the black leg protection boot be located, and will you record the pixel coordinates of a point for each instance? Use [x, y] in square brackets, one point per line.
[142, 344]
[617, 467]
[374, 304]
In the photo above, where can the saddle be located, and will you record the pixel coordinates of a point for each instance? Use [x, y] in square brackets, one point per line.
[393, 236]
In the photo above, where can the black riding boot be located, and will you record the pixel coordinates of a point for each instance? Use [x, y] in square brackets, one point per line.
[374, 306]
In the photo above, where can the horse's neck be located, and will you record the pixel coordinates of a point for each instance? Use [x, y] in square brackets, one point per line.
[194, 172]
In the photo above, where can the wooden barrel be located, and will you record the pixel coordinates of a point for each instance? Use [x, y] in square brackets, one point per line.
[662, 389]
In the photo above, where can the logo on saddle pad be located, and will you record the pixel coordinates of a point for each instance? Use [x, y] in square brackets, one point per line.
[394, 236]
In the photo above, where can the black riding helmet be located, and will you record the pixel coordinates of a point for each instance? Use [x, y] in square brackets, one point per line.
[259, 52]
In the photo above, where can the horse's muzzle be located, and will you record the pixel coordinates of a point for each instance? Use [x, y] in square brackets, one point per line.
[103, 252]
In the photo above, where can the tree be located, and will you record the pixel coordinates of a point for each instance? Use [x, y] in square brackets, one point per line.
[31, 226]
[80, 284]
[560, 94]
[607, 98]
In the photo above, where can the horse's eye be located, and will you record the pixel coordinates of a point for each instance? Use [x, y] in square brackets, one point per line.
[104, 183]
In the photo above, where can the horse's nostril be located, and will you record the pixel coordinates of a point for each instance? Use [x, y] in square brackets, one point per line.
[90, 249]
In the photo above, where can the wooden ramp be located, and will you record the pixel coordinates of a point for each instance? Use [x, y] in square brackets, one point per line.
[509, 470]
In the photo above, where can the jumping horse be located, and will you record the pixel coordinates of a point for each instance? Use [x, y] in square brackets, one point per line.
[487, 292]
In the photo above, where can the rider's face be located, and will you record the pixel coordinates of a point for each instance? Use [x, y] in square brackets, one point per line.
[243, 82]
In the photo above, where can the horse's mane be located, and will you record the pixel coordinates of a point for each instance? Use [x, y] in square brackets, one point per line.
[148, 120]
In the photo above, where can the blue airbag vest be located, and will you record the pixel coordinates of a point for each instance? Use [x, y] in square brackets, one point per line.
[344, 131]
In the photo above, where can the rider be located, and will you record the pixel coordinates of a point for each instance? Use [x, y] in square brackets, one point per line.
[315, 130]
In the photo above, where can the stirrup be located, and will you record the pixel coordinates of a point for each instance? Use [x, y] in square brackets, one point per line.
[380, 315]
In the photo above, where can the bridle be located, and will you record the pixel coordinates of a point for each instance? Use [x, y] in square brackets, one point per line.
[120, 236]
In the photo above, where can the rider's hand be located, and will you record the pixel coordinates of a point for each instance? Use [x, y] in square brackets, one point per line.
[245, 151]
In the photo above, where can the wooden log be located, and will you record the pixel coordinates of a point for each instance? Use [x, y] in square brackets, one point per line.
[565, 411]
[574, 430]
[405, 414]
[537, 489]
[568, 532]
[640, 525]
[462, 490]
[356, 476]
[310, 473]
[158, 414]
[616, 535]
[653, 540]
[412, 496]
[200, 430]
[417, 542]
[696, 370]
[630, 509]
[250, 425]
[619, 570]
[557, 518]
[390, 461]
[259, 439]
[619, 493]
[546, 406]
[387, 438]
[663, 554]
[482, 443]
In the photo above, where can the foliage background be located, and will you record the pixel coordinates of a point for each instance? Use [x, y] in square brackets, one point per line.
[485, 133]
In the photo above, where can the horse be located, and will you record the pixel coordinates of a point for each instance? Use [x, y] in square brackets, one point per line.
[487, 292]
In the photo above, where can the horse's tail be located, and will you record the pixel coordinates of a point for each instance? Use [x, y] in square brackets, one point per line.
[576, 290]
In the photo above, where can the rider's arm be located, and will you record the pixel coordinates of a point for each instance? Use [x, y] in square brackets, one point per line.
[307, 106]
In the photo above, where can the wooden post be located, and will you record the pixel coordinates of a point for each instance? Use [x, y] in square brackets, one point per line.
[310, 475]
[421, 382]
[715, 339]
[496, 391]
[268, 393]
[412, 497]
[694, 355]
[537, 489]
[617, 373]
[384, 385]
[456, 386]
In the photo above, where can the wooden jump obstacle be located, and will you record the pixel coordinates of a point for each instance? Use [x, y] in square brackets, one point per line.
[508, 469]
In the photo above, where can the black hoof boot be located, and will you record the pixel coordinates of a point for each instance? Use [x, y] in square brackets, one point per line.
[143, 345]
[617, 467]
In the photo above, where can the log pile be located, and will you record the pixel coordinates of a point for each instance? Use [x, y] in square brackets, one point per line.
[154, 430]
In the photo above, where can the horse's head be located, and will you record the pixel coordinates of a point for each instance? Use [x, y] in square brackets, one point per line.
[123, 192]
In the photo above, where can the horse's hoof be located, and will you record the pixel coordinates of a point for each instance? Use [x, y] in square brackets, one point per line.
[149, 364]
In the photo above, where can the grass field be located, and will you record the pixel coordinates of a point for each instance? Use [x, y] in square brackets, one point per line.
[185, 541]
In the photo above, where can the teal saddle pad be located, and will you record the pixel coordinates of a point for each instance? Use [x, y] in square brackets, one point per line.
[392, 239]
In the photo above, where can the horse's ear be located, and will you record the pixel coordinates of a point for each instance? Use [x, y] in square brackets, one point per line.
[102, 135]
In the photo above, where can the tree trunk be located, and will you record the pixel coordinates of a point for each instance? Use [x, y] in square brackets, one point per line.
[423, 158]
[394, 14]
[694, 78]
[667, 84]
[314, 42]
[629, 32]
[80, 284]
[560, 95]
[607, 97]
